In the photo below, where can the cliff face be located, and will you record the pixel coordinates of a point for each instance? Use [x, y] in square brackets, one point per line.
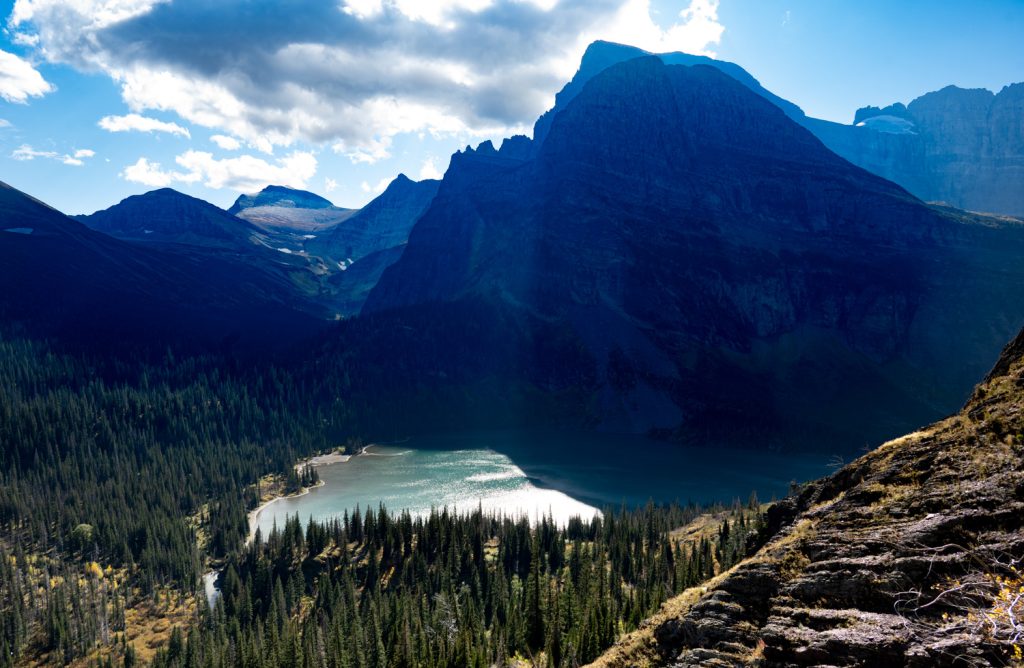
[963, 147]
[702, 265]
[910, 556]
[382, 224]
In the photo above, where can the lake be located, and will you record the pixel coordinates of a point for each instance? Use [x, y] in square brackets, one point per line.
[539, 474]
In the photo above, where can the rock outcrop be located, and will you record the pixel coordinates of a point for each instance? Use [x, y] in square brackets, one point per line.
[909, 556]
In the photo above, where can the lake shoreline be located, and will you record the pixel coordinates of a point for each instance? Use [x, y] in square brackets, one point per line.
[314, 461]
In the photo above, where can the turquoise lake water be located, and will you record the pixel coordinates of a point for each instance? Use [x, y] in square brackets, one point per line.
[558, 474]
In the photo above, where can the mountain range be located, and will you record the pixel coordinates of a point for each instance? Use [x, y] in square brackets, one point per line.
[677, 254]
[677, 251]
[61, 279]
[957, 146]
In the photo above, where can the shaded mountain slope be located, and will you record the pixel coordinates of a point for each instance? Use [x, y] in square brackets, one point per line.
[180, 224]
[909, 556]
[382, 224]
[703, 267]
[962, 147]
[168, 216]
[59, 278]
[601, 55]
[359, 249]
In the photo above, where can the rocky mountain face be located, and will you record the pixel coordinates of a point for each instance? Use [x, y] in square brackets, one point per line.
[678, 255]
[909, 556]
[282, 196]
[291, 214]
[963, 147]
[58, 278]
[358, 250]
[382, 224]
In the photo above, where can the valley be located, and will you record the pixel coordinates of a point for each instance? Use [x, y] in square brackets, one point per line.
[683, 376]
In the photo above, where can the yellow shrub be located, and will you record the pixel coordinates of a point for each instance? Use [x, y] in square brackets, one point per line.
[94, 569]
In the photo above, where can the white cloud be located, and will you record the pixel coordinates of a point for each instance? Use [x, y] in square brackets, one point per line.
[429, 170]
[100, 13]
[19, 80]
[330, 185]
[25, 152]
[373, 150]
[354, 75]
[150, 174]
[226, 143]
[137, 123]
[4, 123]
[244, 173]
[375, 189]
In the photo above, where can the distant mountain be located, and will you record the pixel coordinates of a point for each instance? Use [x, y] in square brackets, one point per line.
[278, 209]
[282, 196]
[168, 216]
[363, 246]
[678, 255]
[59, 278]
[961, 147]
[383, 223]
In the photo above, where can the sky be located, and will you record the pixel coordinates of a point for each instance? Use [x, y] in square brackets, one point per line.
[102, 99]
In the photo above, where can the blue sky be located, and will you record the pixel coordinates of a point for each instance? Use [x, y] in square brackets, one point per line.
[101, 99]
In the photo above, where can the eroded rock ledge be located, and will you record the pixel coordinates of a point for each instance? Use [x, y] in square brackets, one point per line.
[894, 560]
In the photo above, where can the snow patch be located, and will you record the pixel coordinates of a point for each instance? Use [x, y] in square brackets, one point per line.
[893, 125]
[19, 230]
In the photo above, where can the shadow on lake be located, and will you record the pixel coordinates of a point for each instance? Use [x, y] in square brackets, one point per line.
[613, 469]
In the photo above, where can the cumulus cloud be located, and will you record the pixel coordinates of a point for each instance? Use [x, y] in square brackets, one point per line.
[244, 173]
[25, 152]
[330, 185]
[137, 123]
[375, 189]
[429, 170]
[352, 74]
[226, 143]
[150, 174]
[19, 80]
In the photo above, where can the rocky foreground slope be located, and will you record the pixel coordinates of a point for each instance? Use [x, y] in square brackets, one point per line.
[909, 556]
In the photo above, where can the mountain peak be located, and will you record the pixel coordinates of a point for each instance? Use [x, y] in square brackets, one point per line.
[282, 196]
[166, 215]
[601, 55]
